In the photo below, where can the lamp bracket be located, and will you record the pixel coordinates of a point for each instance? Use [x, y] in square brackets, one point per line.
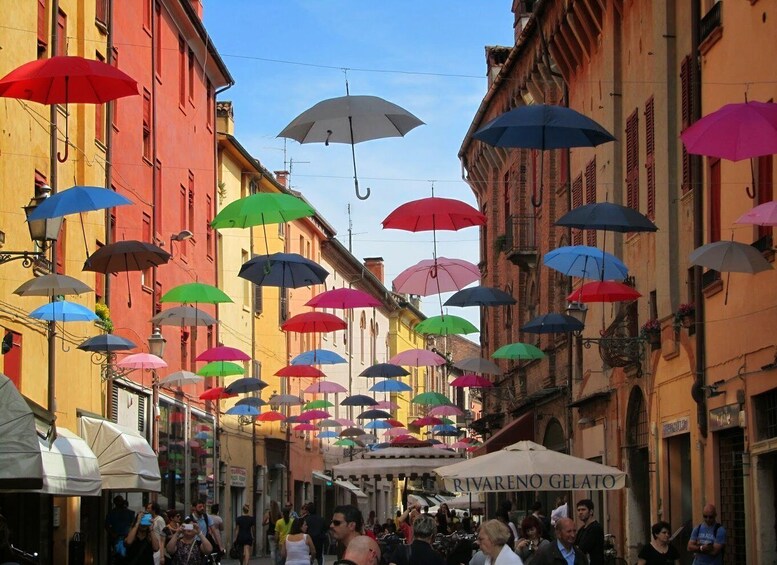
[28, 258]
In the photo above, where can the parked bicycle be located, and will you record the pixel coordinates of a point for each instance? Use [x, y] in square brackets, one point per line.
[611, 553]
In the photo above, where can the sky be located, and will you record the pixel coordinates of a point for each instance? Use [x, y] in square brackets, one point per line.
[427, 56]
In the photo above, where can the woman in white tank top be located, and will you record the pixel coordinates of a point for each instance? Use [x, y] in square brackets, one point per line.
[298, 548]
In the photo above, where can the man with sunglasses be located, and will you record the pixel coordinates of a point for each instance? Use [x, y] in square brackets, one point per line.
[346, 524]
[708, 539]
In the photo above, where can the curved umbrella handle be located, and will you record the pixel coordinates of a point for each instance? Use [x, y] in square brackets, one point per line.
[358, 194]
[63, 158]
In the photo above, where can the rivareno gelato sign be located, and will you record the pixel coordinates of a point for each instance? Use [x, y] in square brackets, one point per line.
[535, 482]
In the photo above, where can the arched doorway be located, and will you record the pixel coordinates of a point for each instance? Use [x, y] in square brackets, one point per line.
[555, 440]
[637, 434]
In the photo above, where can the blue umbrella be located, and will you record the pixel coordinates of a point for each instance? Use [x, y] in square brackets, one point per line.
[480, 296]
[553, 323]
[202, 435]
[373, 415]
[243, 410]
[606, 216]
[106, 343]
[63, 311]
[287, 270]
[446, 430]
[377, 425]
[586, 262]
[326, 434]
[390, 386]
[250, 401]
[318, 357]
[77, 199]
[359, 400]
[384, 370]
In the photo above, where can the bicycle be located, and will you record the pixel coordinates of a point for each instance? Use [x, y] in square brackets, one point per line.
[611, 553]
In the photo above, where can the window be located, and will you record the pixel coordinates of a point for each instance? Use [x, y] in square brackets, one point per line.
[302, 245]
[181, 72]
[184, 348]
[283, 304]
[650, 157]
[158, 46]
[208, 227]
[209, 95]
[146, 15]
[191, 76]
[190, 221]
[590, 196]
[61, 33]
[184, 212]
[115, 103]
[12, 359]
[373, 341]
[686, 111]
[157, 197]
[61, 249]
[713, 226]
[43, 29]
[146, 125]
[101, 11]
[765, 188]
[506, 205]
[145, 275]
[99, 113]
[258, 299]
[246, 283]
[577, 201]
[632, 161]
[362, 331]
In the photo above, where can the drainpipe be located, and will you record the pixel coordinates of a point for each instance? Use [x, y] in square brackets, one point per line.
[53, 165]
[109, 108]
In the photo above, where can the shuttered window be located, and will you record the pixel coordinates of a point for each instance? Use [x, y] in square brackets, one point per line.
[632, 161]
[650, 157]
[686, 111]
[765, 188]
[577, 201]
[43, 39]
[146, 124]
[590, 196]
[714, 204]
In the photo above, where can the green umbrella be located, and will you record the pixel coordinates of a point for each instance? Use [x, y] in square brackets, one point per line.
[518, 351]
[260, 209]
[317, 404]
[195, 293]
[221, 369]
[431, 398]
[345, 442]
[446, 325]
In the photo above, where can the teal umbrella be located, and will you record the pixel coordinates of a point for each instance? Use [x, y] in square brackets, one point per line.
[430, 398]
[518, 350]
[446, 325]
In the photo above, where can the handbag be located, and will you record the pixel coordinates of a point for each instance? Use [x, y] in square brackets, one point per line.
[234, 551]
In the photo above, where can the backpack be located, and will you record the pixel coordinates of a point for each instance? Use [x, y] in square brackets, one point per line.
[714, 536]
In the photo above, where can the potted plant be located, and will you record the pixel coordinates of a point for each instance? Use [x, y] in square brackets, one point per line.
[500, 243]
[651, 331]
[104, 315]
[684, 316]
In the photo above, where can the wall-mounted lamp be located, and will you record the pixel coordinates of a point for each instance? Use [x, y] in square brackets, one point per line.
[182, 235]
[42, 232]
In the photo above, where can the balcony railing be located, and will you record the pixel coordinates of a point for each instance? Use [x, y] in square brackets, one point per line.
[711, 21]
[521, 241]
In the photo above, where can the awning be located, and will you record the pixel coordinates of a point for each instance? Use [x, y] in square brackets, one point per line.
[397, 462]
[351, 487]
[321, 476]
[70, 468]
[522, 428]
[126, 460]
[20, 452]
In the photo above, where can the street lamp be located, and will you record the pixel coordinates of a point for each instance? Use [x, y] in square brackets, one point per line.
[42, 232]
[156, 346]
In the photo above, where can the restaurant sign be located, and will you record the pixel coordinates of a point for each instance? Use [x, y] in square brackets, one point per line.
[238, 476]
[724, 417]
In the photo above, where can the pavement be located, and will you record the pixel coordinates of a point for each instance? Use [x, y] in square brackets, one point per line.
[328, 560]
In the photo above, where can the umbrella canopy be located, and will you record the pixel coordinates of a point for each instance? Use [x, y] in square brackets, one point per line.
[352, 432]
[343, 298]
[445, 410]
[518, 350]
[63, 311]
[394, 432]
[553, 323]
[318, 404]
[324, 387]
[318, 357]
[309, 322]
[327, 434]
[180, 378]
[434, 276]
[418, 358]
[434, 213]
[543, 126]
[729, 256]
[480, 296]
[302, 371]
[373, 415]
[216, 393]
[106, 343]
[603, 291]
[328, 423]
[347, 442]
[261, 209]
[529, 467]
[195, 293]
[183, 316]
[247, 384]
[142, 361]
[377, 425]
[425, 421]
[286, 400]
[762, 215]
[75, 200]
[52, 285]
[586, 262]
[390, 386]
[345, 422]
[606, 216]
[250, 401]
[471, 381]
[389, 405]
[243, 410]
[286, 270]
[221, 369]
[223, 353]
[478, 365]
[430, 398]
[309, 415]
[305, 427]
[270, 416]
[126, 256]
[358, 400]
[384, 370]
[736, 131]
[446, 430]
[445, 325]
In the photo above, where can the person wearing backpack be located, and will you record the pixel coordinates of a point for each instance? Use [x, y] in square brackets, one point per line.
[708, 539]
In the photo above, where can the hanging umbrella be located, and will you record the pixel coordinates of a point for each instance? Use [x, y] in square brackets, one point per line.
[553, 323]
[352, 432]
[328, 434]
[318, 357]
[180, 378]
[373, 415]
[343, 298]
[221, 369]
[75, 200]
[223, 353]
[728, 257]
[345, 422]
[471, 381]
[389, 405]
[430, 398]
[480, 296]
[518, 350]
[63, 311]
[358, 400]
[304, 427]
[271, 416]
[394, 432]
[250, 401]
[261, 209]
[346, 442]
[242, 410]
[432, 214]
[324, 387]
[409, 441]
[603, 291]
[425, 421]
[301, 371]
[384, 370]
[328, 423]
[51, 286]
[445, 325]
[183, 316]
[390, 386]
[377, 425]
[309, 322]
[309, 415]
[106, 343]
[351, 119]
[606, 216]
[216, 393]
[586, 262]
[445, 410]
[418, 358]
[317, 404]
[286, 270]
[762, 215]
[446, 430]
[142, 361]
[478, 365]
[195, 293]
[67, 79]
[434, 276]
[285, 400]
[247, 384]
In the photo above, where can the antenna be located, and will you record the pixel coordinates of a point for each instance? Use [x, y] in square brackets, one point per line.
[350, 230]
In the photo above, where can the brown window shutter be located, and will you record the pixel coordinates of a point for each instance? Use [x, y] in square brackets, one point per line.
[632, 161]
[577, 201]
[650, 157]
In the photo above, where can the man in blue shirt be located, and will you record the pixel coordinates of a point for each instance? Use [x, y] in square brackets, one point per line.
[563, 550]
[708, 539]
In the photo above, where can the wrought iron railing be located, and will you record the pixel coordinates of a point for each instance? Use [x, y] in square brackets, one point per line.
[711, 21]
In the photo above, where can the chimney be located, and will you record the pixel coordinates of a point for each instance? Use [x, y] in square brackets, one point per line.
[283, 178]
[225, 117]
[375, 266]
[197, 6]
[496, 57]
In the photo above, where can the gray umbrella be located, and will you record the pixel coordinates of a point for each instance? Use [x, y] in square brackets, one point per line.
[52, 285]
[729, 257]
[478, 365]
[183, 316]
[351, 119]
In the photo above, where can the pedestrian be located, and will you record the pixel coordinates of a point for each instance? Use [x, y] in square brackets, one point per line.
[298, 548]
[563, 550]
[282, 528]
[442, 519]
[561, 510]
[118, 522]
[158, 524]
[316, 530]
[420, 552]
[271, 516]
[493, 538]
[347, 523]
[406, 520]
[532, 539]
[659, 551]
[547, 529]
[708, 539]
[503, 515]
[590, 536]
[141, 542]
[217, 528]
[173, 523]
[363, 550]
[189, 544]
[245, 534]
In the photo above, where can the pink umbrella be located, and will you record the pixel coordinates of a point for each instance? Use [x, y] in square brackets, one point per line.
[470, 380]
[434, 277]
[418, 358]
[304, 427]
[460, 445]
[445, 410]
[343, 298]
[324, 387]
[142, 361]
[441, 446]
[386, 405]
[395, 432]
[762, 215]
[346, 422]
[313, 415]
[223, 353]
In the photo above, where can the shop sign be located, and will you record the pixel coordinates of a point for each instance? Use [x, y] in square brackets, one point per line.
[238, 477]
[724, 417]
[675, 427]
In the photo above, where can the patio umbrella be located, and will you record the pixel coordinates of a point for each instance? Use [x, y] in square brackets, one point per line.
[52, 285]
[518, 350]
[142, 361]
[343, 298]
[324, 387]
[471, 381]
[603, 291]
[586, 262]
[195, 293]
[528, 467]
[180, 378]
[480, 296]
[418, 358]
[373, 415]
[301, 371]
[251, 401]
[242, 410]
[351, 119]
[285, 270]
[762, 215]
[390, 386]
[606, 216]
[106, 343]
[216, 393]
[728, 257]
[434, 276]
[478, 365]
[183, 316]
[384, 370]
[309, 322]
[445, 325]
[246, 384]
[67, 79]
[358, 400]
[318, 357]
[223, 353]
[553, 323]
[317, 404]
[430, 398]
[221, 369]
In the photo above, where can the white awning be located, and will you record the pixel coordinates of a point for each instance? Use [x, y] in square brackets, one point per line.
[348, 485]
[321, 476]
[70, 468]
[127, 461]
[397, 462]
[20, 453]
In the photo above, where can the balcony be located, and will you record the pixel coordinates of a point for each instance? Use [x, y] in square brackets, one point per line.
[710, 27]
[521, 241]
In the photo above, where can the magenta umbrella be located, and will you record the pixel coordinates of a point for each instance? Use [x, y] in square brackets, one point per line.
[762, 215]
[313, 415]
[142, 361]
[324, 387]
[343, 298]
[223, 353]
[471, 381]
[304, 427]
[432, 276]
[418, 358]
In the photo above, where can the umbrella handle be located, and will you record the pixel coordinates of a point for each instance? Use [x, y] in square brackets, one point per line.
[63, 158]
[358, 194]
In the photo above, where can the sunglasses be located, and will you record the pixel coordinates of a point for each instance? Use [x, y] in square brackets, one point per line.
[337, 522]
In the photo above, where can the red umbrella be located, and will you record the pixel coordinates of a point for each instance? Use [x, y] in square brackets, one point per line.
[270, 417]
[313, 322]
[216, 393]
[306, 371]
[343, 298]
[431, 214]
[65, 79]
[426, 421]
[470, 381]
[603, 291]
[223, 353]
[396, 423]
[433, 276]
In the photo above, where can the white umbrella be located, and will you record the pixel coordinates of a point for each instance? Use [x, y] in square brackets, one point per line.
[180, 378]
[529, 467]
